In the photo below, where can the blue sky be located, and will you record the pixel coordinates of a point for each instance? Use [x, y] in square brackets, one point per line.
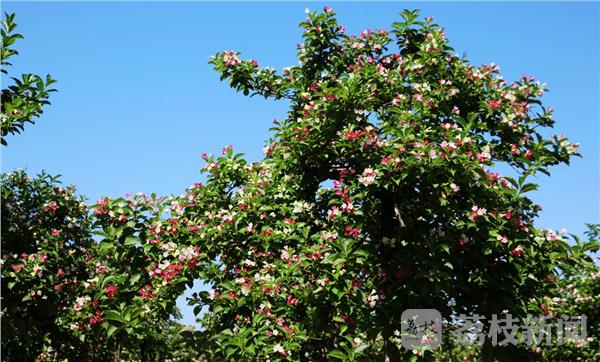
[138, 102]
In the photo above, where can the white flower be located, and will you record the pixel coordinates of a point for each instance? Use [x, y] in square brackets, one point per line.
[245, 290]
[333, 212]
[79, 302]
[368, 176]
[328, 235]
[300, 206]
[278, 349]
[249, 263]
[285, 255]
[372, 298]
[211, 294]
[347, 207]
[454, 187]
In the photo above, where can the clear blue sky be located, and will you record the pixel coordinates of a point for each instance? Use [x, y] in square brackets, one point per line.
[138, 103]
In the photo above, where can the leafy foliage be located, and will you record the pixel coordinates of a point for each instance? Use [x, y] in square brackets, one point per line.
[65, 295]
[579, 294]
[379, 192]
[416, 217]
[21, 102]
[46, 244]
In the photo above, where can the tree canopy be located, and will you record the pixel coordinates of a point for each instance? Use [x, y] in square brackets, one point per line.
[379, 192]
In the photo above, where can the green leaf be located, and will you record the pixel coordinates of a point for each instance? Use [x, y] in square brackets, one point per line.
[361, 348]
[343, 328]
[113, 316]
[131, 241]
[336, 353]
[111, 330]
[105, 245]
[134, 278]
[445, 247]
[528, 187]
[229, 351]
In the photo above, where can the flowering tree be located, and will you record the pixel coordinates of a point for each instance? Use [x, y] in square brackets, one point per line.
[64, 295]
[46, 245]
[377, 194]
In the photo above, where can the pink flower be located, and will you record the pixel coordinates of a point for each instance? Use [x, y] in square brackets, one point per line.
[100, 269]
[291, 300]
[353, 135]
[111, 290]
[495, 104]
[517, 252]
[476, 212]
[483, 156]
[51, 207]
[347, 206]
[502, 239]
[55, 232]
[230, 59]
[37, 270]
[17, 267]
[387, 159]
[96, 318]
[226, 149]
[333, 212]
[350, 231]
[514, 149]
[146, 292]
